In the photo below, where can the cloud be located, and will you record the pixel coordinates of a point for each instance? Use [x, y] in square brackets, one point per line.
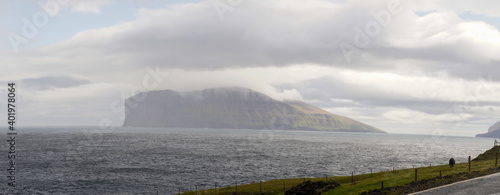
[261, 79]
[262, 34]
[443, 36]
[73, 104]
[412, 116]
[292, 94]
[393, 100]
[484, 7]
[390, 88]
[424, 65]
[45, 83]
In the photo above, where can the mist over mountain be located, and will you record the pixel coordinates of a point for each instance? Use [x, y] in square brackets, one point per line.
[232, 108]
[493, 131]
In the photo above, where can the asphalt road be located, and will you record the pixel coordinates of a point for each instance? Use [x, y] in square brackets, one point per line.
[489, 184]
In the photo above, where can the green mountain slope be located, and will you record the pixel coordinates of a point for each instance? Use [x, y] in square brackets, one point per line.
[231, 108]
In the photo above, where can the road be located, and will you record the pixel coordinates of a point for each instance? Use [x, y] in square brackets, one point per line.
[489, 184]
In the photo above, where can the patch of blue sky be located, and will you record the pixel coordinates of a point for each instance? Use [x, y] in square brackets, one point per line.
[422, 13]
[67, 23]
[468, 16]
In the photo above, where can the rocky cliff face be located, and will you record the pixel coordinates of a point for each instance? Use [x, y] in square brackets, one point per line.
[495, 127]
[493, 131]
[231, 108]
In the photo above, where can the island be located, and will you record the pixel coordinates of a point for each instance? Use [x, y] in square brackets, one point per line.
[232, 108]
[493, 131]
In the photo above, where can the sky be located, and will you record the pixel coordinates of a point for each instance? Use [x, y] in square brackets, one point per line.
[415, 67]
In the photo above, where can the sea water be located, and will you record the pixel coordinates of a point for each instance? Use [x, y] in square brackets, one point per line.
[125, 160]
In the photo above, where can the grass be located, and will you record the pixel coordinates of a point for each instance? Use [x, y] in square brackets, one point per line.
[488, 155]
[404, 176]
[365, 182]
[271, 187]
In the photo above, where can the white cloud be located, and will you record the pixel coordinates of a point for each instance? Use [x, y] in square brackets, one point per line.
[472, 41]
[440, 88]
[416, 117]
[281, 33]
[78, 105]
[292, 94]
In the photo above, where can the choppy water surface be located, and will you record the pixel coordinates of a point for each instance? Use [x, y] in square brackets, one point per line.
[143, 161]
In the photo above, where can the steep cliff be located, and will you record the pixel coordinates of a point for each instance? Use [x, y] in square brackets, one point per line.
[493, 131]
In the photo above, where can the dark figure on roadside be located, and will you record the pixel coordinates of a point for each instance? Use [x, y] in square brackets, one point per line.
[452, 162]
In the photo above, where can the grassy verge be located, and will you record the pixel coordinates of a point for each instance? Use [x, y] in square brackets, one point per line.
[405, 176]
[363, 182]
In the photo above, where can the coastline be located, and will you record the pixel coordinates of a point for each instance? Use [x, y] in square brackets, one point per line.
[400, 181]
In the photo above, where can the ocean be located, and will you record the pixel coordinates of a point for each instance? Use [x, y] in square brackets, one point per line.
[125, 160]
